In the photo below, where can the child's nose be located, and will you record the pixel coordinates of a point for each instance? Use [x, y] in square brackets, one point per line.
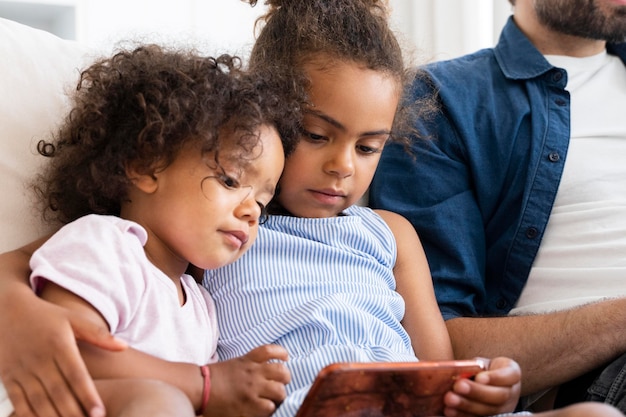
[248, 208]
[340, 163]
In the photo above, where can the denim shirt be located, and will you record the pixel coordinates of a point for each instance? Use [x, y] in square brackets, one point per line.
[481, 183]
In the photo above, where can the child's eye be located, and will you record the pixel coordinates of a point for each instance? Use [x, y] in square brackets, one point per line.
[312, 137]
[367, 149]
[228, 181]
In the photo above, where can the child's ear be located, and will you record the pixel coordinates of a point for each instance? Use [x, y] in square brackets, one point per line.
[145, 182]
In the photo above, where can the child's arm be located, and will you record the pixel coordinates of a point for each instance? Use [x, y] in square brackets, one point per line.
[39, 363]
[422, 318]
[494, 391]
[249, 385]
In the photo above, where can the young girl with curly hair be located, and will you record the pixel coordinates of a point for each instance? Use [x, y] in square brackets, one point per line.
[167, 159]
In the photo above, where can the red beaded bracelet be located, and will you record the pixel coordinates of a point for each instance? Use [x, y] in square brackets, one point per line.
[206, 375]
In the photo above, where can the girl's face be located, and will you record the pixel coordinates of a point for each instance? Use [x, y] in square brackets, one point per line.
[345, 131]
[200, 213]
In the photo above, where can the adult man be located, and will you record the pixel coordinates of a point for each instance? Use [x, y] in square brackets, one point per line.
[526, 150]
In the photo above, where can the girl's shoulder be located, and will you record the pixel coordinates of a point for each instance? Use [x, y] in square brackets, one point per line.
[104, 228]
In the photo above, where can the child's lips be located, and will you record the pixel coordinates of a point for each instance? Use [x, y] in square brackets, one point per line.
[238, 237]
[331, 192]
[328, 196]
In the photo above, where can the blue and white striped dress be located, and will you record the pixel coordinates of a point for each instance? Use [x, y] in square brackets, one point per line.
[322, 288]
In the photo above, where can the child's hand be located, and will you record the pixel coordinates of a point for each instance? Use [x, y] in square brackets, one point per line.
[494, 391]
[249, 385]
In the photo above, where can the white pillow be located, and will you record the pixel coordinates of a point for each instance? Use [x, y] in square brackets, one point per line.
[36, 70]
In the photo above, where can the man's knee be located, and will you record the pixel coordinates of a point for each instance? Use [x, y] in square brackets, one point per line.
[610, 386]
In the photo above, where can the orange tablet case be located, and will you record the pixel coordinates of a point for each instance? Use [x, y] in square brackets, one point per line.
[399, 389]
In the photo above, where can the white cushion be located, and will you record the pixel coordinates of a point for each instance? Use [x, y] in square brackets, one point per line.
[36, 70]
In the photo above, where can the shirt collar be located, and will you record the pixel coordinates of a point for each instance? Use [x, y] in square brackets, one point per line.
[519, 59]
[517, 56]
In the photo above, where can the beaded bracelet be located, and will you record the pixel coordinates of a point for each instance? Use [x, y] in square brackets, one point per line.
[206, 389]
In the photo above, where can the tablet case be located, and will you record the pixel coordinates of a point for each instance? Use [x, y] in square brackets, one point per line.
[398, 389]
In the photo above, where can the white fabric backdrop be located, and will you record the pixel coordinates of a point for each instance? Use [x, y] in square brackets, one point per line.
[442, 29]
[439, 29]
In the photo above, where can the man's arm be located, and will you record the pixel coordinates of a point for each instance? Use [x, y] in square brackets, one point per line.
[39, 339]
[550, 348]
[126, 364]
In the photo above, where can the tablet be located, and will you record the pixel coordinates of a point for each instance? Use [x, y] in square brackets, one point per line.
[389, 389]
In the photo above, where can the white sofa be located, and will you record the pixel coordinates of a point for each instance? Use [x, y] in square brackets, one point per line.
[36, 71]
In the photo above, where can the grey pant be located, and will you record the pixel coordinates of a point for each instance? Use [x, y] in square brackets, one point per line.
[610, 386]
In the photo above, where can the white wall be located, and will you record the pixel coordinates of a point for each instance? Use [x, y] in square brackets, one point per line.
[435, 29]
[443, 29]
[219, 25]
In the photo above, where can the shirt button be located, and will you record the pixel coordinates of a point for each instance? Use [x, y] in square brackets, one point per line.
[501, 304]
[531, 233]
[557, 76]
[560, 102]
[554, 157]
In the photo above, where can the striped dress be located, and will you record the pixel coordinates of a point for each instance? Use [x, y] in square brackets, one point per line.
[322, 288]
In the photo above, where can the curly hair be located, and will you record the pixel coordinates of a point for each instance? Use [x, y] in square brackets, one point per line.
[296, 32]
[141, 107]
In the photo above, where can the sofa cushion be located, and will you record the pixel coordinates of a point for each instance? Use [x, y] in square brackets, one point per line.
[36, 70]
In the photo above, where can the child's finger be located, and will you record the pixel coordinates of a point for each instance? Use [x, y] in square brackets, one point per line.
[475, 397]
[458, 406]
[268, 352]
[278, 372]
[274, 391]
[501, 372]
[481, 393]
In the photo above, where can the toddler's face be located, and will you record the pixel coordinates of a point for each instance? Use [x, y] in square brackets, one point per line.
[208, 214]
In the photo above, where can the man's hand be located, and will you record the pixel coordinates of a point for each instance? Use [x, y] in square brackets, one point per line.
[40, 364]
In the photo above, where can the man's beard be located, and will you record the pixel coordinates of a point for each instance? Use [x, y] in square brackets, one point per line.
[583, 18]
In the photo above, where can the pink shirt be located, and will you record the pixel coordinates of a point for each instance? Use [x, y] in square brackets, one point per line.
[101, 259]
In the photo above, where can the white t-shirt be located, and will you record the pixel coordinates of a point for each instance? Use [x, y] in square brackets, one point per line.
[101, 259]
[582, 257]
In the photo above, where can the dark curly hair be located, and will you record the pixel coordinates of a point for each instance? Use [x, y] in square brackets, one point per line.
[296, 32]
[141, 107]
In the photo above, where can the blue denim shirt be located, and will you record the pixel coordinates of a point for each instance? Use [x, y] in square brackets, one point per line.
[480, 190]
